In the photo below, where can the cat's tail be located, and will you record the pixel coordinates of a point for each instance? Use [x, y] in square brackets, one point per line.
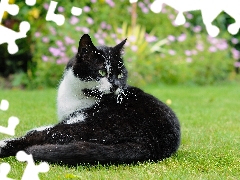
[88, 152]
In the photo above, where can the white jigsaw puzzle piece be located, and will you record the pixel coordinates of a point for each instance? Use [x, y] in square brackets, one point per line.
[76, 11]
[12, 123]
[4, 105]
[30, 2]
[209, 9]
[12, 9]
[31, 171]
[133, 1]
[4, 170]
[51, 16]
[9, 36]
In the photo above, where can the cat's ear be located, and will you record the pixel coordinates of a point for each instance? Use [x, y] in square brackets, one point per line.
[86, 48]
[120, 47]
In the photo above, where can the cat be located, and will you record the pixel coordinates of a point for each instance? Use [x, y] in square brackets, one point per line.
[101, 118]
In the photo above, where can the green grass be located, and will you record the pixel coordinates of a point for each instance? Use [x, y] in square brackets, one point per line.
[210, 148]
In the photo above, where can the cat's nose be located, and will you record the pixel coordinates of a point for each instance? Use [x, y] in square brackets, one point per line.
[115, 85]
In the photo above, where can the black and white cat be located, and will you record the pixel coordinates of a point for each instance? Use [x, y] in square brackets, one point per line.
[102, 119]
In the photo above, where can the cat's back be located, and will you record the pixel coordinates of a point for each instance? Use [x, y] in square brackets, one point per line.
[135, 116]
[135, 102]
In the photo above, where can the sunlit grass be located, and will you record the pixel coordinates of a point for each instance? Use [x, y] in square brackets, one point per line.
[210, 121]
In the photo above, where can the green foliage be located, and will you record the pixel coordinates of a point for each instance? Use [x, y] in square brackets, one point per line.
[156, 51]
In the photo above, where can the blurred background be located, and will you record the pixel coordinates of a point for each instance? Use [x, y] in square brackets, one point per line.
[157, 51]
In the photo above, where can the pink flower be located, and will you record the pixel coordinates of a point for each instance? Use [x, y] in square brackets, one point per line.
[101, 41]
[212, 49]
[118, 41]
[189, 16]
[200, 46]
[62, 54]
[141, 4]
[44, 58]
[113, 36]
[132, 38]
[212, 40]
[90, 21]
[197, 29]
[145, 10]
[171, 38]
[171, 16]
[55, 52]
[78, 28]
[37, 34]
[69, 40]
[237, 64]
[119, 30]
[86, 9]
[150, 38]
[59, 43]
[164, 10]
[110, 3]
[172, 52]
[187, 25]
[74, 20]
[45, 39]
[85, 30]
[96, 35]
[222, 45]
[236, 54]
[74, 49]
[182, 38]
[46, 6]
[188, 53]
[52, 30]
[134, 48]
[61, 9]
[62, 48]
[62, 60]
[109, 27]
[103, 25]
[234, 40]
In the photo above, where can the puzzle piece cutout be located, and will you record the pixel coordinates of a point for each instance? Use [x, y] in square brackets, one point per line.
[133, 1]
[4, 170]
[209, 9]
[30, 2]
[7, 35]
[12, 9]
[31, 171]
[4, 105]
[76, 11]
[58, 18]
[51, 16]
[12, 123]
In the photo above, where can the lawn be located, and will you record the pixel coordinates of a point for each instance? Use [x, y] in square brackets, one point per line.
[210, 147]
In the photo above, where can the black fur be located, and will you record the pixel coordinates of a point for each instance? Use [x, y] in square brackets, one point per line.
[127, 127]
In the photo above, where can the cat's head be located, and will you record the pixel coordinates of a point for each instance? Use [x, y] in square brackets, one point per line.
[102, 65]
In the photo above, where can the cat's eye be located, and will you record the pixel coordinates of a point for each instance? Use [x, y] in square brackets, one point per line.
[102, 72]
[120, 75]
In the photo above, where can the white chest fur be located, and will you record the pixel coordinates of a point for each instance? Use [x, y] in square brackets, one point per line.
[70, 96]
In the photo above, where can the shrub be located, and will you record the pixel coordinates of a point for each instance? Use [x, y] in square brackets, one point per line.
[156, 50]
